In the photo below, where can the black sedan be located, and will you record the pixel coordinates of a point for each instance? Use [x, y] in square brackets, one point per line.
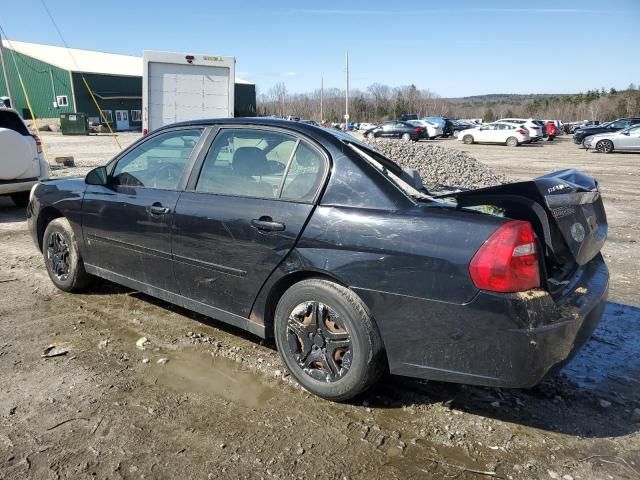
[396, 129]
[307, 235]
[581, 134]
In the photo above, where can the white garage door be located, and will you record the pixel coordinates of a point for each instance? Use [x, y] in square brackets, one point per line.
[186, 92]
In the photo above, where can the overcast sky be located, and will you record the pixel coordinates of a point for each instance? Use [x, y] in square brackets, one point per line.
[467, 48]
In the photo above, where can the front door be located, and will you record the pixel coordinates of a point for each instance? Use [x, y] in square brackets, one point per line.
[127, 223]
[122, 120]
[242, 213]
[630, 140]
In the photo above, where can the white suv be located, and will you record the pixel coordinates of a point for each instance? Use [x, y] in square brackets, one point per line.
[22, 164]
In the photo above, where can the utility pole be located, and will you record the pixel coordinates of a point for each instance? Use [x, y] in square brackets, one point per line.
[322, 99]
[4, 72]
[346, 93]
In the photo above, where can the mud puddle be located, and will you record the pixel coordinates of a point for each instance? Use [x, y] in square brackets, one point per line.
[197, 372]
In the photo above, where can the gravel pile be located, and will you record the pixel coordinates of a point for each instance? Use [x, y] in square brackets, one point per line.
[439, 166]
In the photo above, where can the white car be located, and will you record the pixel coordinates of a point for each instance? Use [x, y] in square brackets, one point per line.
[22, 164]
[623, 140]
[366, 126]
[496, 132]
[535, 130]
[433, 130]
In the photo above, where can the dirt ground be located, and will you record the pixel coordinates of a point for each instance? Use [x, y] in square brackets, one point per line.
[205, 400]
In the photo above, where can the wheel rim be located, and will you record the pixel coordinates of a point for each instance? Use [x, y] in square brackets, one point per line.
[58, 256]
[406, 137]
[605, 146]
[319, 342]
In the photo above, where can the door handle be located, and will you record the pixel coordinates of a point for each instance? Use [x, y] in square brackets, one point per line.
[266, 224]
[158, 209]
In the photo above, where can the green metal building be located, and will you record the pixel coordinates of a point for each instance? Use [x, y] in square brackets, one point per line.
[54, 78]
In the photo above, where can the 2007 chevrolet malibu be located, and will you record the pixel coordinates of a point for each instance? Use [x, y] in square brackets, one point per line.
[312, 237]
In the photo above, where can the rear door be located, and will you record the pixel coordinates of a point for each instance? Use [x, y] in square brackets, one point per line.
[242, 213]
[126, 223]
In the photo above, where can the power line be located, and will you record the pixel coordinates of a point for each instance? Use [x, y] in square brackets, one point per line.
[86, 84]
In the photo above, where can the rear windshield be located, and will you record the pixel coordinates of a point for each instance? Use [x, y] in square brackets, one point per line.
[12, 121]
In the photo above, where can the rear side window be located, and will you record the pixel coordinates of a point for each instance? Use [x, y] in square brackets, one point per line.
[12, 121]
[261, 164]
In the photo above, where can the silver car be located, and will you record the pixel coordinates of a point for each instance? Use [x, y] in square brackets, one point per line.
[623, 140]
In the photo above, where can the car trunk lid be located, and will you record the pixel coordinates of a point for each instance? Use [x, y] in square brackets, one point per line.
[565, 209]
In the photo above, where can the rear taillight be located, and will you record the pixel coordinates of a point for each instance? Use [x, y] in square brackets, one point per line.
[418, 129]
[38, 142]
[521, 131]
[145, 131]
[507, 261]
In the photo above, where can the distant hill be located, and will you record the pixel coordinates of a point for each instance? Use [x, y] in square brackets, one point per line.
[505, 98]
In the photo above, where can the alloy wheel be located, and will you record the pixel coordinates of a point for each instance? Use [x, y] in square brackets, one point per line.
[58, 256]
[319, 341]
[604, 146]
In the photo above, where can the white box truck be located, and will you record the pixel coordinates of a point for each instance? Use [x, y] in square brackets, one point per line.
[184, 86]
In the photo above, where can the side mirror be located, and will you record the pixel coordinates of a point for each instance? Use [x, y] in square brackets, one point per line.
[97, 176]
[626, 133]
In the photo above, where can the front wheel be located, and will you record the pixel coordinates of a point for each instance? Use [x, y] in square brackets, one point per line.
[604, 146]
[512, 142]
[467, 139]
[62, 257]
[328, 340]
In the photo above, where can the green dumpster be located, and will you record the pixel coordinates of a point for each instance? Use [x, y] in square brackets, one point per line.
[74, 124]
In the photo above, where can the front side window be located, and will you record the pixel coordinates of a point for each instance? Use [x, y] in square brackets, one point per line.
[158, 162]
[620, 124]
[261, 164]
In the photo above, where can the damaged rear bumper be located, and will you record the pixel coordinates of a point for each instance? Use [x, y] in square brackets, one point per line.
[502, 340]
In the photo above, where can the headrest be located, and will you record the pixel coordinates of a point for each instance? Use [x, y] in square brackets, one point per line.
[249, 162]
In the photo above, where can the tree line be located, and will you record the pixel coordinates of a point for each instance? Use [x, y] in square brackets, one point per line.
[380, 102]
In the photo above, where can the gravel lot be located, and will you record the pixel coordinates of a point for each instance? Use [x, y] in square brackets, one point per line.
[222, 407]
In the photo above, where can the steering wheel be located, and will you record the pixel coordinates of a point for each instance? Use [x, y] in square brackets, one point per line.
[167, 175]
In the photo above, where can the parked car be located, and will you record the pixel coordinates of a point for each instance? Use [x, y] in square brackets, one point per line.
[535, 130]
[620, 124]
[623, 141]
[497, 132]
[445, 123]
[396, 129]
[22, 163]
[431, 130]
[366, 126]
[460, 125]
[309, 122]
[319, 241]
[407, 117]
[573, 126]
[552, 130]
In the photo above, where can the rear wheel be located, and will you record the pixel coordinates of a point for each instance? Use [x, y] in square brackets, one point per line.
[405, 137]
[21, 199]
[371, 136]
[512, 142]
[328, 340]
[604, 146]
[467, 139]
[62, 257]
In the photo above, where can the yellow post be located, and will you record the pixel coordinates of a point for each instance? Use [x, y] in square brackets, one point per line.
[101, 112]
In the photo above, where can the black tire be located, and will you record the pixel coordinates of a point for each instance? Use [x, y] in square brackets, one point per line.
[604, 146]
[512, 142]
[21, 199]
[467, 139]
[62, 257]
[352, 365]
